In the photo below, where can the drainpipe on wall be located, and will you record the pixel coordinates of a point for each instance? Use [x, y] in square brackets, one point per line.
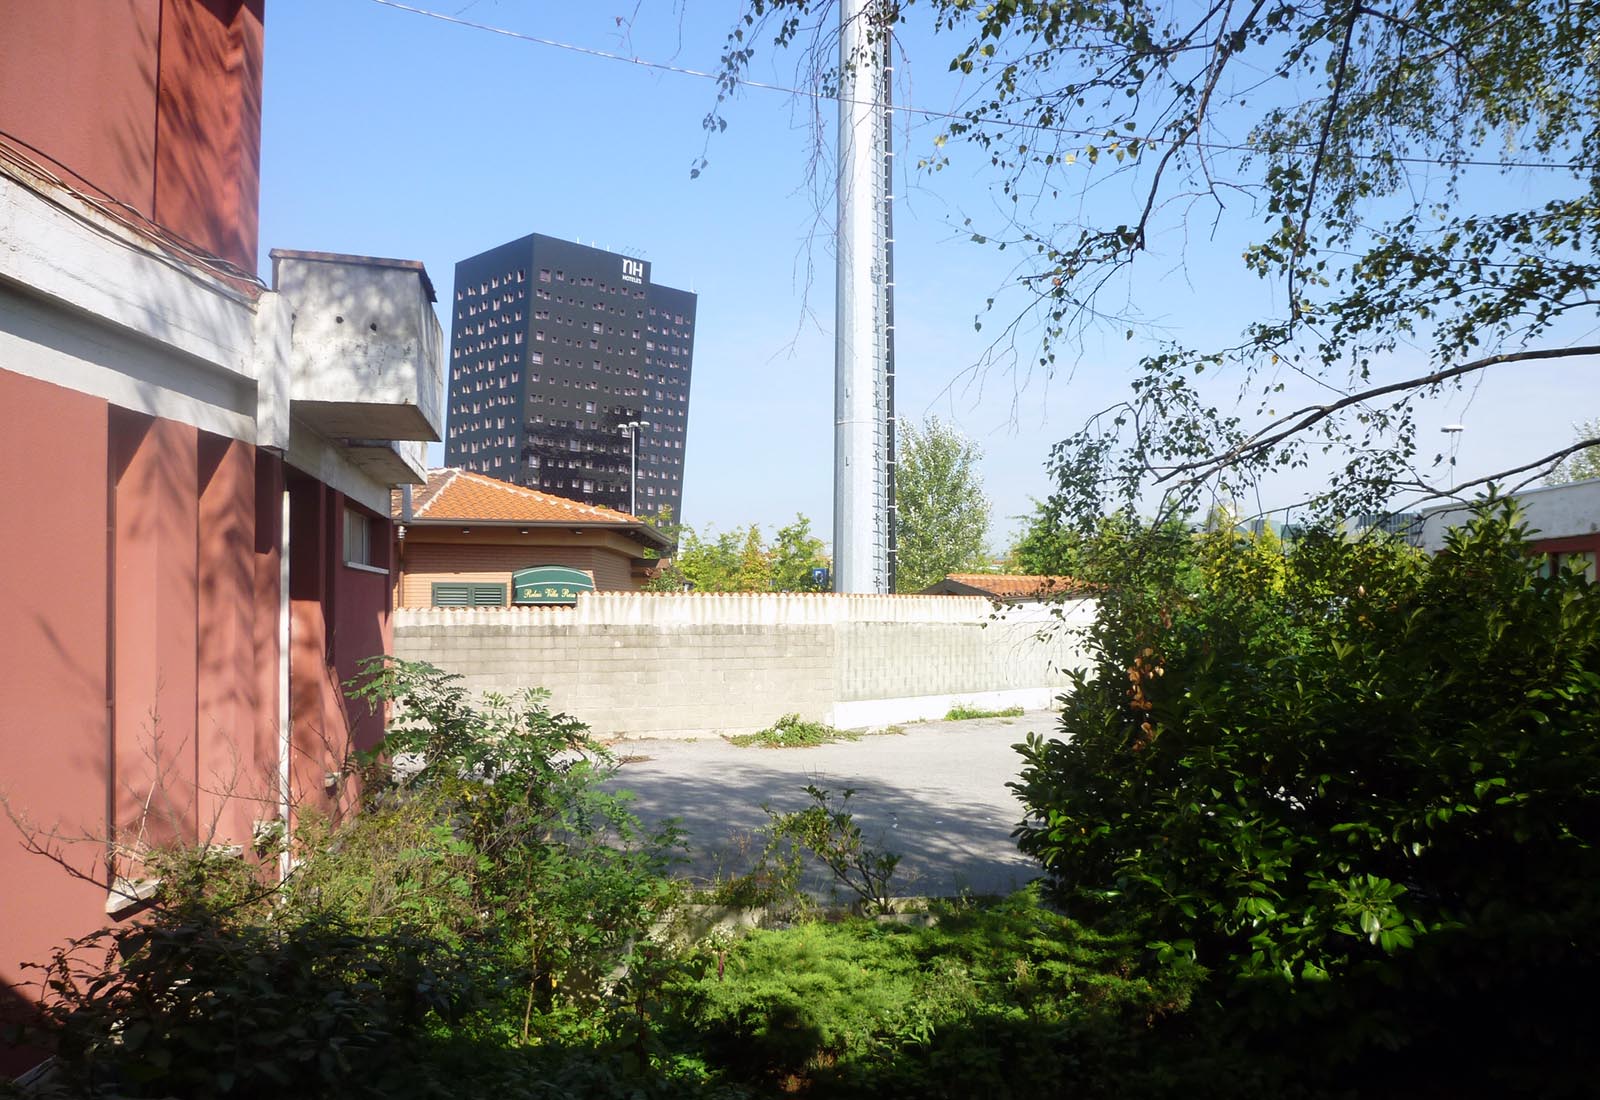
[399, 578]
[111, 660]
[285, 721]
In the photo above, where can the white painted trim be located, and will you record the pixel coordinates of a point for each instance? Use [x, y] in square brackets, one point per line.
[39, 1078]
[40, 339]
[321, 458]
[270, 355]
[365, 568]
[127, 894]
[868, 713]
[285, 718]
[64, 249]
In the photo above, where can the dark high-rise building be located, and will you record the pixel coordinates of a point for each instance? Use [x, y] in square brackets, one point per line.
[555, 348]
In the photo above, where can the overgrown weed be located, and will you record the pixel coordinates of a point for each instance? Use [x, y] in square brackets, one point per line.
[793, 732]
[962, 712]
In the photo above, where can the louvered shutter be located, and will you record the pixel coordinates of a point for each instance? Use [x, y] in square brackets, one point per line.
[452, 595]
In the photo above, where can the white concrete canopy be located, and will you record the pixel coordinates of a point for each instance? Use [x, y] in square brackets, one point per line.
[365, 353]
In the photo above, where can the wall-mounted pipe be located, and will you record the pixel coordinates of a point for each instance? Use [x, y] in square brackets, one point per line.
[285, 719]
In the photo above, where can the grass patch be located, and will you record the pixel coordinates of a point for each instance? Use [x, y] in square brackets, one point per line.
[791, 732]
[1001, 1000]
[961, 713]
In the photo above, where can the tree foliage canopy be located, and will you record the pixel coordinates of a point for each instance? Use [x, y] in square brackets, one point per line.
[741, 560]
[943, 516]
[1417, 181]
[1583, 464]
[1352, 781]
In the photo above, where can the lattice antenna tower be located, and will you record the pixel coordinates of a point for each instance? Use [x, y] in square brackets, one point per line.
[864, 429]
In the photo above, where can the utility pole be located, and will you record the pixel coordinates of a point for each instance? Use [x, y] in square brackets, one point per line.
[632, 428]
[864, 443]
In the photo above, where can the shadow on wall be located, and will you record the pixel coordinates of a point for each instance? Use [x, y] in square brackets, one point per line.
[17, 1057]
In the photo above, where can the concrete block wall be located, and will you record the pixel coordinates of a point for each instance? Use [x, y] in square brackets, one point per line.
[703, 664]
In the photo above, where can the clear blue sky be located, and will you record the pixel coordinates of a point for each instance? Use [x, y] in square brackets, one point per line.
[388, 133]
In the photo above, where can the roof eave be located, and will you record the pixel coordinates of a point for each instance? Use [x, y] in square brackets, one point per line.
[643, 529]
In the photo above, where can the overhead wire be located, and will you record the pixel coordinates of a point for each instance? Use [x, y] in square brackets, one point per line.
[186, 253]
[729, 80]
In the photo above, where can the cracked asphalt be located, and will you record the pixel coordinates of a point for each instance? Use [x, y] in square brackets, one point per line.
[935, 792]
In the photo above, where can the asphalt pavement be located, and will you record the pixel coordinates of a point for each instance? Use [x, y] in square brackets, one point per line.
[934, 792]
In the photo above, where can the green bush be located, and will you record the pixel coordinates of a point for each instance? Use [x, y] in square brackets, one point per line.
[827, 830]
[1010, 1000]
[485, 918]
[961, 712]
[190, 1005]
[1360, 786]
[792, 732]
[505, 834]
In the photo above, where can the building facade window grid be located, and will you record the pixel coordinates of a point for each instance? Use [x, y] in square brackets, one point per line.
[593, 276]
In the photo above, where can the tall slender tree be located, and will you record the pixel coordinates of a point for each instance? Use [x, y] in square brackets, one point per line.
[943, 521]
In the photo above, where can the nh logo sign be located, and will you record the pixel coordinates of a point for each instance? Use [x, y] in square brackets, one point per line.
[633, 271]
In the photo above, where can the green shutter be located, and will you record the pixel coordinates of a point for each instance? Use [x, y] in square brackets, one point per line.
[452, 595]
[462, 594]
[488, 595]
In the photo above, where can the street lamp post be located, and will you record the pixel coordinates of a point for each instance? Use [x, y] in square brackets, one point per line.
[1454, 432]
[631, 430]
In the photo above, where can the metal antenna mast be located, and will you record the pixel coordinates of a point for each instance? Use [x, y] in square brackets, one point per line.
[864, 438]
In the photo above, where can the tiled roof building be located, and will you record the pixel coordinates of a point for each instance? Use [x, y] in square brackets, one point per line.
[465, 538]
[1008, 587]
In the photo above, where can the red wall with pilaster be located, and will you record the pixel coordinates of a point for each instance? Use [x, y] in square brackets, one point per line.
[139, 598]
[235, 784]
[155, 103]
[340, 616]
[54, 727]
[155, 682]
[139, 672]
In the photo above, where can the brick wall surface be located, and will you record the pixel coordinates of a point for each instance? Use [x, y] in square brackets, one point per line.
[643, 664]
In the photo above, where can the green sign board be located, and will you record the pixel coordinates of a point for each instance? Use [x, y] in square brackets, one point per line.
[549, 584]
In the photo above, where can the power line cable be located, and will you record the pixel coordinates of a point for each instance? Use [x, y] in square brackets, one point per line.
[178, 252]
[929, 113]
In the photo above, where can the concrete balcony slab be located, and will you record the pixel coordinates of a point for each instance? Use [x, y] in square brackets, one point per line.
[366, 350]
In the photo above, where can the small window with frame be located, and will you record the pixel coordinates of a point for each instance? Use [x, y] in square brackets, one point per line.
[362, 543]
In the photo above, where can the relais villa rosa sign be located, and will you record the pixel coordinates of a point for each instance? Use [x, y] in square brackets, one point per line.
[547, 584]
[633, 271]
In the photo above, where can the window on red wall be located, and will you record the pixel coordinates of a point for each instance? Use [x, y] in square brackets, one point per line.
[362, 541]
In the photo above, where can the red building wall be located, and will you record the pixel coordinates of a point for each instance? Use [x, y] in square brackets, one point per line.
[139, 660]
[54, 724]
[154, 103]
[235, 707]
[154, 584]
[140, 571]
[340, 616]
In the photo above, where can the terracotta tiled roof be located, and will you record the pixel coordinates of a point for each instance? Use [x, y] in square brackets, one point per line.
[453, 495]
[1006, 586]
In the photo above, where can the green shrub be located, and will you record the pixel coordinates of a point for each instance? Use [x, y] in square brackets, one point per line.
[961, 712]
[486, 916]
[1010, 1000]
[504, 833]
[1361, 786]
[792, 732]
[188, 1005]
[828, 831]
